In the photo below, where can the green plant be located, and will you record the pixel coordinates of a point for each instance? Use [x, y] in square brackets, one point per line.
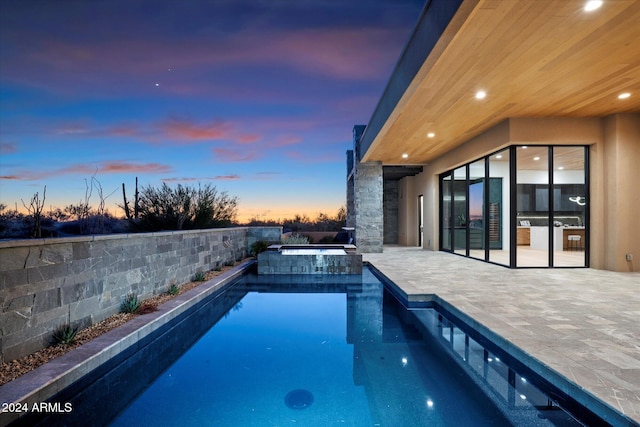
[229, 263]
[258, 246]
[65, 334]
[131, 304]
[295, 239]
[217, 268]
[184, 207]
[173, 289]
[199, 276]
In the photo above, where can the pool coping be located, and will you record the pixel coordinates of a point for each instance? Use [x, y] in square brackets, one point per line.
[515, 355]
[52, 377]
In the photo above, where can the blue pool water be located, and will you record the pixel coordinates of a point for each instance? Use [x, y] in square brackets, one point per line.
[323, 356]
[307, 351]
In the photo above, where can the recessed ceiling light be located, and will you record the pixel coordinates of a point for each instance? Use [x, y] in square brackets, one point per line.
[561, 168]
[431, 135]
[624, 95]
[536, 158]
[405, 156]
[481, 94]
[592, 5]
[524, 147]
[499, 156]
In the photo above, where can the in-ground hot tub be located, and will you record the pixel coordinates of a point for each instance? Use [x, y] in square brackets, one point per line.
[310, 259]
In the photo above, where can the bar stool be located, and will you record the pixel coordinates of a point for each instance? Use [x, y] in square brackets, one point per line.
[574, 242]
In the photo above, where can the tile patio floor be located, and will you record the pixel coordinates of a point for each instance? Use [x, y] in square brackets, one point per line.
[583, 323]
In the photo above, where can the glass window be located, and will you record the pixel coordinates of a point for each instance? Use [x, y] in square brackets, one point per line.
[477, 221]
[569, 207]
[447, 210]
[547, 223]
[460, 210]
[499, 214]
[532, 183]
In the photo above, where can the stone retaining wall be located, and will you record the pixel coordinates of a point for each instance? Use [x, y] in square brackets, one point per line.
[46, 283]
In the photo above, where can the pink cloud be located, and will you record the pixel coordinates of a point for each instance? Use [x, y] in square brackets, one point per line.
[106, 167]
[118, 66]
[227, 177]
[308, 158]
[73, 129]
[233, 177]
[123, 130]
[187, 130]
[125, 167]
[172, 131]
[231, 155]
[285, 141]
[8, 148]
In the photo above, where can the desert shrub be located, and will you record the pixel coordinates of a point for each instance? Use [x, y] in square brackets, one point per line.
[65, 334]
[184, 208]
[131, 304]
[13, 224]
[199, 276]
[259, 246]
[173, 289]
[295, 239]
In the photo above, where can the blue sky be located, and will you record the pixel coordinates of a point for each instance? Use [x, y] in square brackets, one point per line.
[256, 97]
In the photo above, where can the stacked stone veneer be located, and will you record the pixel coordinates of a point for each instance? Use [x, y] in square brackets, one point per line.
[368, 207]
[46, 283]
[274, 262]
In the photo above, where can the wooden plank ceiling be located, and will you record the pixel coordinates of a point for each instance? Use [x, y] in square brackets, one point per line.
[533, 58]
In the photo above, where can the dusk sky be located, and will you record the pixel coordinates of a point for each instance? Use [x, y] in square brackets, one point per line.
[256, 97]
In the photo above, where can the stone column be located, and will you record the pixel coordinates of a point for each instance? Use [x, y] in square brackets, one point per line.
[368, 207]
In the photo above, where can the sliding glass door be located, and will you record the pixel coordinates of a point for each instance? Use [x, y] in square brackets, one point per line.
[524, 206]
[569, 207]
[460, 211]
[532, 183]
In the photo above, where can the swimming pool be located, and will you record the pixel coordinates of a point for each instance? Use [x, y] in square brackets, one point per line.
[309, 351]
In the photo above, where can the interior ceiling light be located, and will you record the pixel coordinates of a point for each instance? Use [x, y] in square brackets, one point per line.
[481, 94]
[624, 95]
[405, 156]
[431, 135]
[524, 147]
[536, 158]
[592, 5]
[561, 168]
[499, 156]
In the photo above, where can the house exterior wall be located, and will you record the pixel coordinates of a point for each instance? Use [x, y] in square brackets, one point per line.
[47, 283]
[616, 199]
[614, 144]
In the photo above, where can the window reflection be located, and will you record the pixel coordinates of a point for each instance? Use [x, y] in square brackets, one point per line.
[499, 213]
[477, 222]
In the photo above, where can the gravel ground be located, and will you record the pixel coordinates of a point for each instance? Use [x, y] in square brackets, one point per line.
[15, 368]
